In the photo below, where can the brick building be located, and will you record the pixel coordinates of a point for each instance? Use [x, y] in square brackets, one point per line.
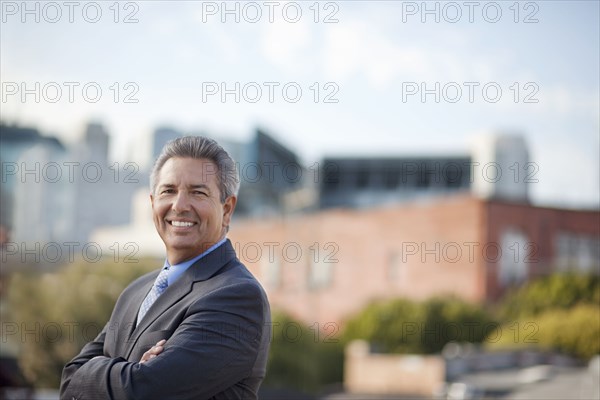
[325, 266]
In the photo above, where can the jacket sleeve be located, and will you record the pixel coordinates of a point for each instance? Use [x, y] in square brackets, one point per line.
[214, 347]
[92, 349]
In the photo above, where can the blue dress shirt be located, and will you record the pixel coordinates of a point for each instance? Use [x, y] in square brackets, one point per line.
[175, 271]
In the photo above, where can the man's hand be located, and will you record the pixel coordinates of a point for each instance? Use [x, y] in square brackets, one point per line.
[153, 352]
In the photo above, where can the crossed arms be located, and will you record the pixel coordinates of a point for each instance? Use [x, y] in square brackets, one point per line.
[215, 347]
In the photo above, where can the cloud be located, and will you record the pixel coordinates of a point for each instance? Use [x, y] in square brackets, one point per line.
[384, 55]
[286, 45]
[564, 100]
[568, 175]
[357, 48]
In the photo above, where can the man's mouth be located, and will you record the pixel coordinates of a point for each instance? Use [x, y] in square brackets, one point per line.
[181, 224]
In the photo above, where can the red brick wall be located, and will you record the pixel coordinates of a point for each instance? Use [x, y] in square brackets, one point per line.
[374, 255]
[373, 251]
[541, 226]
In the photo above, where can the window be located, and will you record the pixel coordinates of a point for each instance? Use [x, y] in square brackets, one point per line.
[396, 268]
[320, 274]
[362, 178]
[271, 270]
[514, 257]
[391, 178]
[576, 252]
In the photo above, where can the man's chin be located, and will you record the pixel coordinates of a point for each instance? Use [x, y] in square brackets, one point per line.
[180, 245]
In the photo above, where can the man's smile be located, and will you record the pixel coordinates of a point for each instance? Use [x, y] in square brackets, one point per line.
[181, 224]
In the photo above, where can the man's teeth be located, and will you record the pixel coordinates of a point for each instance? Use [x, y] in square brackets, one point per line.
[181, 223]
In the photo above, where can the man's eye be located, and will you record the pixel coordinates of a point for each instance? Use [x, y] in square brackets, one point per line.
[199, 192]
[167, 191]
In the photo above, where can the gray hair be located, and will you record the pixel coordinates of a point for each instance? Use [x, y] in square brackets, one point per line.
[201, 147]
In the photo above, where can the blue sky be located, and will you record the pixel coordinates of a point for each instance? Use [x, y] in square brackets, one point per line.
[371, 55]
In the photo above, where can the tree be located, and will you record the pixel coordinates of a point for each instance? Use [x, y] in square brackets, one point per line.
[557, 291]
[558, 312]
[575, 331]
[301, 358]
[404, 326]
[52, 315]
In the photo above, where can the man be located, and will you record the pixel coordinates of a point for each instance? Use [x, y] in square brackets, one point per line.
[200, 327]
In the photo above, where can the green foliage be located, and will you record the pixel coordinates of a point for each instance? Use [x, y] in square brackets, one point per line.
[403, 326]
[302, 357]
[575, 331]
[559, 312]
[557, 291]
[455, 320]
[52, 315]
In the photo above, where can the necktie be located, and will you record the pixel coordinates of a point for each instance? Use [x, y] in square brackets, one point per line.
[160, 284]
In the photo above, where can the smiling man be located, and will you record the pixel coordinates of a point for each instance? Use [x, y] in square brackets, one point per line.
[200, 327]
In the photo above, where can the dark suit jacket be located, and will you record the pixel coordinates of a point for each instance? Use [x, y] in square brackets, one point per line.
[216, 321]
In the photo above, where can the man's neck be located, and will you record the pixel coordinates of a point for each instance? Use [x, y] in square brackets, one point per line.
[178, 258]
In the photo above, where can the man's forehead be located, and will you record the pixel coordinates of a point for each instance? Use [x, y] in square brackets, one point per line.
[193, 171]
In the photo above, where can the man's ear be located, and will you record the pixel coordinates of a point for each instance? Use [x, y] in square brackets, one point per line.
[152, 200]
[228, 208]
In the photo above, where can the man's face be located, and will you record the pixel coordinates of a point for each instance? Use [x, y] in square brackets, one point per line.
[187, 209]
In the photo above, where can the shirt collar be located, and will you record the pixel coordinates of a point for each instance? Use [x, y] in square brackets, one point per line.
[175, 271]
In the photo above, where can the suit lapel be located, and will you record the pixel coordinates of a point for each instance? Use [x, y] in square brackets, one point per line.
[201, 270]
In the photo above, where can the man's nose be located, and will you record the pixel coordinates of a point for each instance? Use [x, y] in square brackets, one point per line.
[181, 202]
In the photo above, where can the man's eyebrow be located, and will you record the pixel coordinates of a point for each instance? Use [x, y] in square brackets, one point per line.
[199, 186]
[193, 186]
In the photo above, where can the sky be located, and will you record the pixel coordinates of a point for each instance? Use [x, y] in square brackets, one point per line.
[354, 78]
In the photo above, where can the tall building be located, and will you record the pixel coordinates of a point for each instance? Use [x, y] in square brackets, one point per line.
[102, 189]
[503, 167]
[366, 182]
[14, 142]
[43, 199]
[96, 141]
[146, 147]
[160, 137]
[497, 168]
[54, 194]
[268, 171]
